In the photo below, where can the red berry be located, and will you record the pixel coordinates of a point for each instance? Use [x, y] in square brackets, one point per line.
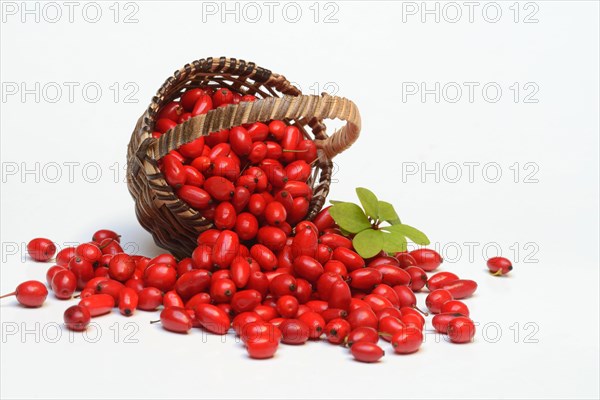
[262, 349]
[121, 267]
[98, 304]
[407, 340]
[225, 216]
[362, 317]
[246, 300]
[461, 330]
[212, 318]
[461, 288]
[308, 268]
[128, 301]
[222, 290]
[436, 299]
[30, 293]
[41, 249]
[77, 318]
[64, 256]
[389, 326]
[441, 321]
[51, 272]
[222, 96]
[287, 306]
[362, 334]
[455, 306]
[337, 330]
[499, 265]
[160, 276]
[315, 322]
[219, 188]
[102, 234]
[189, 98]
[275, 213]
[176, 319]
[225, 249]
[366, 352]
[440, 279]
[427, 259]
[64, 284]
[418, 278]
[149, 299]
[294, 331]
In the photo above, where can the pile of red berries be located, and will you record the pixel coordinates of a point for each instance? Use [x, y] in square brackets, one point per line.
[262, 270]
[271, 288]
[234, 176]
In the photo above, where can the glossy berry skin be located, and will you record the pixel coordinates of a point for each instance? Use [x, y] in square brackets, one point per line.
[191, 283]
[225, 249]
[149, 299]
[51, 272]
[362, 334]
[82, 269]
[89, 252]
[77, 318]
[294, 331]
[461, 330]
[102, 234]
[64, 256]
[440, 279]
[499, 266]
[175, 319]
[121, 267]
[461, 288]
[418, 278]
[287, 306]
[212, 318]
[337, 330]
[455, 306]
[407, 340]
[362, 317]
[30, 293]
[388, 326]
[366, 352]
[98, 304]
[128, 301]
[315, 323]
[41, 249]
[441, 321]
[427, 259]
[161, 276]
[436, 299]
[406, 297]
[262, 349]
[405, 260]
[64, 284]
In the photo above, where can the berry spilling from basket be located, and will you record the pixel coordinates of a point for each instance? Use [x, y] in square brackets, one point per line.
[258, 171]
[272, 285]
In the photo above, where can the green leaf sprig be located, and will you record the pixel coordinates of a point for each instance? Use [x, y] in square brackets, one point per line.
[370, 236]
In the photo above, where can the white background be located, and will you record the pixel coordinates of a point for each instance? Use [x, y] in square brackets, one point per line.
[546, 222]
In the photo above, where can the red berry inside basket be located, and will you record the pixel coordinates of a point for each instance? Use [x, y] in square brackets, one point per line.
[246, 166]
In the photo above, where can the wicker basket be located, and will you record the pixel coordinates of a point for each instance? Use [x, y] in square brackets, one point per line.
[173, 224]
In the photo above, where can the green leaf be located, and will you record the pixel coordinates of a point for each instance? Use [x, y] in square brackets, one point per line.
[387, 213]
[369, 202]
[336, 202]
[410, 232]
[367, 243]
[393, 242]
[350, 217]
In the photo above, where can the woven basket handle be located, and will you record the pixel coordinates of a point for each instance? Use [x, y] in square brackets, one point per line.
[309, 107]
